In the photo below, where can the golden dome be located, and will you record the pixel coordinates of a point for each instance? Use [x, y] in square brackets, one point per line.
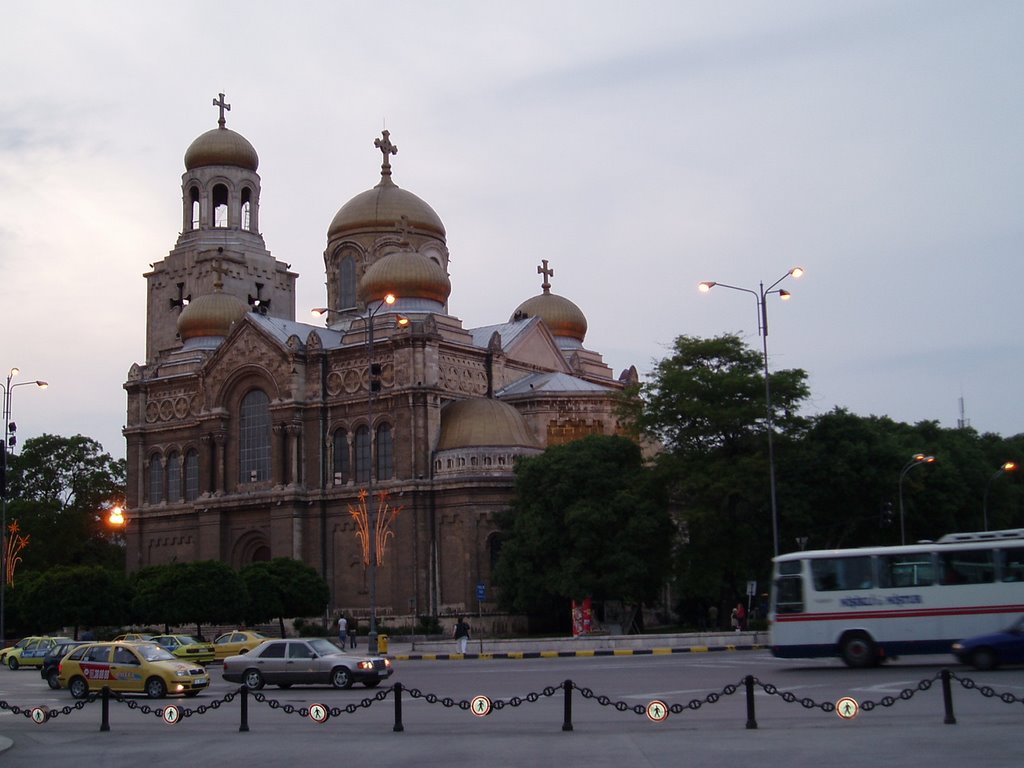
[221, 146]
[407, 275]
[562, 317]
[382, 208]
[483, 422]
[212, 314]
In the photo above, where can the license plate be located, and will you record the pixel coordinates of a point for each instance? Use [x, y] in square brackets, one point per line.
[201, 681]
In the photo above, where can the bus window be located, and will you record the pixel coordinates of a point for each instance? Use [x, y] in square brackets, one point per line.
[1013, 565]
[789, 594]
[911, 570]
[841, 573]
[967, 567]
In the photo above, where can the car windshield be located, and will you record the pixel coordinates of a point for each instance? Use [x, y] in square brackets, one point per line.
[154, 653]
[186, 640]
[323, 647]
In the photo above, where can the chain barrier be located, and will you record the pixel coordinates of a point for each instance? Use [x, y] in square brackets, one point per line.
[43, 714]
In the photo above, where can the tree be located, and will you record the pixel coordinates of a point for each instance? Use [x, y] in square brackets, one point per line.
[588, 520]
[283, 587]
[73, 596]
[201, 592]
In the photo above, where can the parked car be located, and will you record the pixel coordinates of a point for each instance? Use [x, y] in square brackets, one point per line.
[133, 637]
[236, 642]
[29, 651]
[49, 670]
[991, 650]
[130, 668]
[185, 647]
[306, 661]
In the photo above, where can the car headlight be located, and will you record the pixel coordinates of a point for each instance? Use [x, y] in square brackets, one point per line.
[957, 647]
[181, 673]
[365, 665]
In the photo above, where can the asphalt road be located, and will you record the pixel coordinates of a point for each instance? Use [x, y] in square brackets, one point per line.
[704, 694]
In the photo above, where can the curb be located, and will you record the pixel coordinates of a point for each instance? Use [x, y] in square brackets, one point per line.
[572, 654]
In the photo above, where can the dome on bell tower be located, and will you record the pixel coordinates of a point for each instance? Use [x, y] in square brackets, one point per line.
[221, 146]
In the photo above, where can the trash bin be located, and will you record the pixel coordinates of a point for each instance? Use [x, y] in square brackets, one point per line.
[382, 644]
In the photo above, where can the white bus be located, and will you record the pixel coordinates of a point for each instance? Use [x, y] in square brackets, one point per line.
[873, 603]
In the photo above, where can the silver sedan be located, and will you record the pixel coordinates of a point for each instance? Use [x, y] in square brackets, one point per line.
[304, 661]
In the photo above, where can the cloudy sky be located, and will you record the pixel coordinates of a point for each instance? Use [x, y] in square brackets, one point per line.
[640, 147]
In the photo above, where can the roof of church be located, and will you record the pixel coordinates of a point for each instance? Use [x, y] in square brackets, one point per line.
[550, 383]
[282, 330]
[482, 422]
[508, 331]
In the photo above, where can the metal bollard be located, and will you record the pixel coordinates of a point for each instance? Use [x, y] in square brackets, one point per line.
[751, 719]
[105, 708]
[567, 716]
[398, 709]
[244, 690]
[947, 698]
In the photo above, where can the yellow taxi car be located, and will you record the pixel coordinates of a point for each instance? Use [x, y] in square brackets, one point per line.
[185, 647]
[130, 668]
[237, 642]
[29, 651]
[133, 637]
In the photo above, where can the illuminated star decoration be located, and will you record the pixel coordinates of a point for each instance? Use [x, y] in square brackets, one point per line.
[15, 544]
[386, 516]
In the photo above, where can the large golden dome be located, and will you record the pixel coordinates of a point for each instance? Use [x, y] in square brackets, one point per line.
[384, 207]
[407, 275]
[212, 314]
[221, 146]
[483, 422]
[562, 317]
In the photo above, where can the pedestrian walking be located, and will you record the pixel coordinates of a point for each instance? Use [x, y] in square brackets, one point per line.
[342, 629]
[352, 627]
[461, 634]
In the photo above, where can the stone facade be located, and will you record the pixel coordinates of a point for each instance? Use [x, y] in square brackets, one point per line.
[251, 435]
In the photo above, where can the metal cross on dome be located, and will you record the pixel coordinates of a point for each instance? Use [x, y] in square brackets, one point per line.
[387, 149]
[224, 107]
[548, 273]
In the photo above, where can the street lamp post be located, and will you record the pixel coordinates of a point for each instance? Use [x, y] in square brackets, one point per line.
[760, 295]
[916, 459]
[9, 442]
[1008, 466]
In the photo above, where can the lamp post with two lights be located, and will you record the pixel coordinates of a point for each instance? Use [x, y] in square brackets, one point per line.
[1008, 466]
[915, 460]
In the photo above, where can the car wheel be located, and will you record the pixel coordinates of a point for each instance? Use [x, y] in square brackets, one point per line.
[858, 650]
[156, 688]
[372, 683]
[984, 658]
[341, 678]
[253, 679]
[53, 679]
[12, 663]
[79, 687]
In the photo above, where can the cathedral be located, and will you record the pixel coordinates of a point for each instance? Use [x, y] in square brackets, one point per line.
[375, 442]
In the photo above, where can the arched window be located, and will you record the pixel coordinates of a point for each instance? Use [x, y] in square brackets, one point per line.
[191, 475]
[254, 438]
[220, 206]
[363, 454]
[385, 464]
[156, 479]
[173, 477]
[193, 196]
[342, 469]
[246, 208]
[347, 279]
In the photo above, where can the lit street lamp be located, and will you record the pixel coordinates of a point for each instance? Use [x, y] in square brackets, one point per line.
[915, 460]
[1008, 466]
[762, 327]
[10, 440]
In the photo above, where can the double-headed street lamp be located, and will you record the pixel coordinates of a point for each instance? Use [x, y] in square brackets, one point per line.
[10, 439]
[762, 327]
[1008, 466]
[915, 460]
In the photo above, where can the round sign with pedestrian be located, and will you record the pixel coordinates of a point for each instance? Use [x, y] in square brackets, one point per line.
[847, 708]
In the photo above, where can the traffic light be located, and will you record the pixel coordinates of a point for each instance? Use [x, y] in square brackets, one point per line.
[3, 471]
[886, 517]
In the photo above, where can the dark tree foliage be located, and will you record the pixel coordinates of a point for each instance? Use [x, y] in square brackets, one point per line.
[283, 587]
[72, 596]
[201, 592]
[588, 520]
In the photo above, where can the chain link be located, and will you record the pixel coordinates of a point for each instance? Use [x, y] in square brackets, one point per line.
[986, 691]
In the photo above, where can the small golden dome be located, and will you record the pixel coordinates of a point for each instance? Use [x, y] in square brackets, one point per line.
[562, 317]
[407, 275]
[221, 146]
[212, 314]
[483, 422]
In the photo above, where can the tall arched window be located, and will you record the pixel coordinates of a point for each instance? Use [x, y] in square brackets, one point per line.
[246, 208]
[174, 477]
[385, 445]
[347, 279]
[342, 469]
[193, 196]
[363, 454]
[191, 475]
[220, 206]
[156, 479]
[254, 438]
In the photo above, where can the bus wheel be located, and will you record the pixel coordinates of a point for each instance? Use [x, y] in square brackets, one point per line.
[858, 650]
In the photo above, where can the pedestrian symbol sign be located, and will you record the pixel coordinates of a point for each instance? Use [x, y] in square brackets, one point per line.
[171, 714]
[657, 711]
[318, 713]
[480, 706]
[40, 715]
[847, 708]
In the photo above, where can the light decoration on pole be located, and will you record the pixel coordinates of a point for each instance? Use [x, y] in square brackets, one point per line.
[760, 295]
[16, 543]
[385, 516]
[915, 460]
